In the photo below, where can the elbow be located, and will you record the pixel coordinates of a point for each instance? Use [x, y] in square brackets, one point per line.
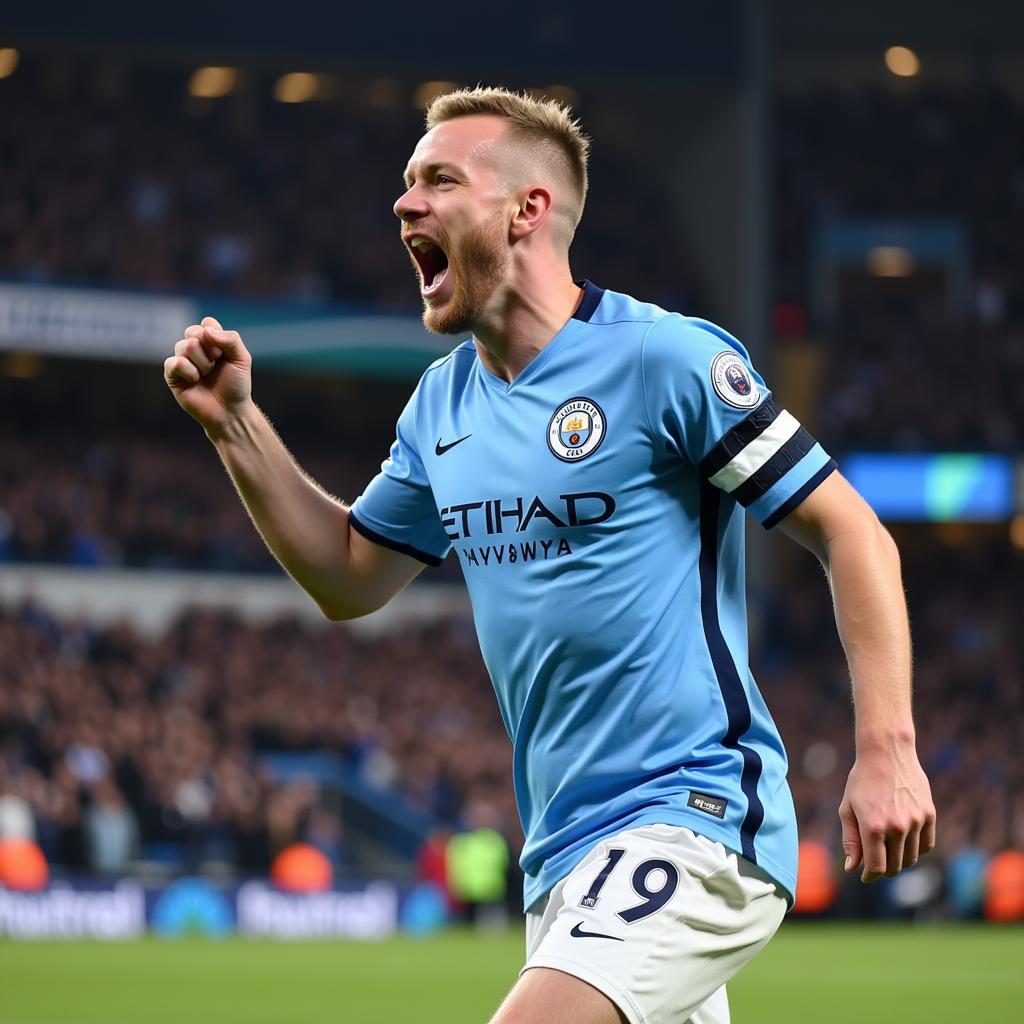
[867, 535]
[885, 542]
[335, 614]
[343, 612]
[345, 607]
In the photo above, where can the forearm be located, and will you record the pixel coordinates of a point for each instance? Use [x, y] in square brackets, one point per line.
[863, 566]
[305, 528]
[887, 811]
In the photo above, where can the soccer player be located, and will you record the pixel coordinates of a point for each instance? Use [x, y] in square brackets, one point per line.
[589, 457]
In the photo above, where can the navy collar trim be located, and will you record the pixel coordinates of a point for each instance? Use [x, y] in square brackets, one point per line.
[592, 296]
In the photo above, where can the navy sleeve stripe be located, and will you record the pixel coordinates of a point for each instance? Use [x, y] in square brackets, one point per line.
[739, 437]
[395, 545]
[775, 468]
[791, 502]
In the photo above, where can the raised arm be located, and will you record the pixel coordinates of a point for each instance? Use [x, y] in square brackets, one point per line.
[305, 528]
[887, 812]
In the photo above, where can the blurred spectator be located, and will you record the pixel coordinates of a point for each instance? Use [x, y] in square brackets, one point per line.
[324, 832]
[22, 865]
[1004, 887]
[817, 881]
[16, 820]
[432, 862]
[477, 866]
[300, 867]
[110, 830]
[965, 881]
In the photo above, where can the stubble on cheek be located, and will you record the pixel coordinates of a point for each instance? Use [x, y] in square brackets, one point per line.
[479, 265]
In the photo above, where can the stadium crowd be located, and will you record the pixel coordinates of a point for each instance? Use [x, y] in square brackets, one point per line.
[946, 152]
[128, 481]
[160, 740]
[903, 384]
[110, 741]
[905, 372]
[969, 705]
[114, 745]
[260, 199]
[136, 503]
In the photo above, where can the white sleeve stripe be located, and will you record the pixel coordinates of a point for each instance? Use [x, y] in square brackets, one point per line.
[744, 465]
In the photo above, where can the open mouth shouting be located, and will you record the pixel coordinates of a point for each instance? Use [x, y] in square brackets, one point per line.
[432, 262]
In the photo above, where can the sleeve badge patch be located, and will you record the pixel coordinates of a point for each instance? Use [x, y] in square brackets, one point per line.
[733, 382]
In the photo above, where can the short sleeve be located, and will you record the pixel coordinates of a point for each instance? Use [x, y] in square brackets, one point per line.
[397, 509]
[706, 403]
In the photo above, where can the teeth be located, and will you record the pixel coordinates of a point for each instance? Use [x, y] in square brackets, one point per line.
[423, 244]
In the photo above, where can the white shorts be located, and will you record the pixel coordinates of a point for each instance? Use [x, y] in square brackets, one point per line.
[658, 919]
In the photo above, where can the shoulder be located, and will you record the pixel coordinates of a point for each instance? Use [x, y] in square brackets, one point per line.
[448, 372]
[458, 360]
[663, 334]
[676, 344]
[618, 308]
[684, 360]
[434, 390]
[689, 340]
[623, 324]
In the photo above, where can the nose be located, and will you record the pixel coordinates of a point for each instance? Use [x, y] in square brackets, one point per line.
[409, 207]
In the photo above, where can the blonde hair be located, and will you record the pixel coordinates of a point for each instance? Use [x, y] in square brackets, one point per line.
[545, 125]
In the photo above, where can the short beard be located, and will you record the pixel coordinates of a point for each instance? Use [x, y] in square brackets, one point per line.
[481, 264]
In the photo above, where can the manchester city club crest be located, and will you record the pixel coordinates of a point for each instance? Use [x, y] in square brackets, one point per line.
[576, 430]
[733, 382]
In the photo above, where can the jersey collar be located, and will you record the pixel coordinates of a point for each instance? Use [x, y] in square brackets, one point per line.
[592, 296]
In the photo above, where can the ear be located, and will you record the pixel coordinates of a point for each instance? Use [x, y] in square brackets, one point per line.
[534, 209]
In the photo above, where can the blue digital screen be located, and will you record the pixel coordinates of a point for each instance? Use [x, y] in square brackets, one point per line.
[944, 487]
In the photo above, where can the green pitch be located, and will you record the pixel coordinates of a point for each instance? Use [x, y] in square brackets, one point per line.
[810, 973]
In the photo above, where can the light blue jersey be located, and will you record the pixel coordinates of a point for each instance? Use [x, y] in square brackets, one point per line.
[595, 504]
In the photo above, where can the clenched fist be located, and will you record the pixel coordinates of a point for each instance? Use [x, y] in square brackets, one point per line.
[210, 375]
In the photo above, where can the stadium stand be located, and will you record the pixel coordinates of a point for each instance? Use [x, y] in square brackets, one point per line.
[116, 747]
[162, 739]
[271, 200]
[877, 153]
[167, 734]
[880, 155]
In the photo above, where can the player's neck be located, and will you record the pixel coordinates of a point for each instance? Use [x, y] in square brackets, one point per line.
[523, 319]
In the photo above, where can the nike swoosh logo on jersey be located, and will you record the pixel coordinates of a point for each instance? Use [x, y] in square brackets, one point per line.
[578, 933]
[440, 449]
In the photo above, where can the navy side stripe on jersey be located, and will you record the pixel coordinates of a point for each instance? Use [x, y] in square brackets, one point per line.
[737, 706]
[757, 453]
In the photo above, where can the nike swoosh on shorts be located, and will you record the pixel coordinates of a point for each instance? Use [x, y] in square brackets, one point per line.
[578, 933]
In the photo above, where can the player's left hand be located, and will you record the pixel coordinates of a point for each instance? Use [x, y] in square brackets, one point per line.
[887, 813]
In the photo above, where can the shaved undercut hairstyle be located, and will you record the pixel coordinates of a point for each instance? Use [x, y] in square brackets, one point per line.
[545, 128]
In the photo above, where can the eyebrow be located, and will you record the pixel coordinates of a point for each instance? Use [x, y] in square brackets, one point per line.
[433, 169]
